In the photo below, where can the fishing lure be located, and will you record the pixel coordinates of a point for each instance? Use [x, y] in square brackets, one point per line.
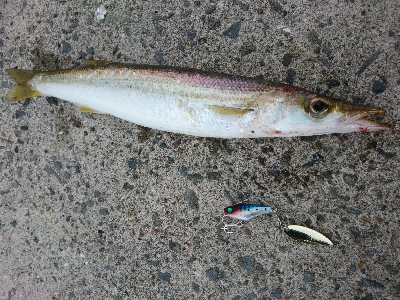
[195, 102]
[245, 212]
[305, 234]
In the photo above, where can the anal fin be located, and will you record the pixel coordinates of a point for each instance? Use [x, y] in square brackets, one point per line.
[87, 109]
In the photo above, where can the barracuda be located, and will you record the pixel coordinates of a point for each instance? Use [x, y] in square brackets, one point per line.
[194, 102]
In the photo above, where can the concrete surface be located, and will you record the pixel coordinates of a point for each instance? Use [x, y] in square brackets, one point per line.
[92, 207]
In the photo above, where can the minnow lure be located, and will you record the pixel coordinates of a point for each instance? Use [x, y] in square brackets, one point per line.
[245, 212]
[305, 234]
[195, 102]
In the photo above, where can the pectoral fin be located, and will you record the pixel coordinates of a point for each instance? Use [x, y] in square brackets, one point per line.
[234, 111]
[87, 109]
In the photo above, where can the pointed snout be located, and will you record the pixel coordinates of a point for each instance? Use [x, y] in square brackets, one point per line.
[353, 115]
[357, 110]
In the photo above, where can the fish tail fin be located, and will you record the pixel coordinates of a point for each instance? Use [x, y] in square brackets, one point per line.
[23, 90]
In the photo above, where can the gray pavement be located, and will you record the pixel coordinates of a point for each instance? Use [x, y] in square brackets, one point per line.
[93, 207]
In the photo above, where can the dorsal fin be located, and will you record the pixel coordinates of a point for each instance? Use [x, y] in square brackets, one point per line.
[93, 62]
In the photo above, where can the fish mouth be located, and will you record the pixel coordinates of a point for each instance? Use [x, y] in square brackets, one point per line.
[355, 117]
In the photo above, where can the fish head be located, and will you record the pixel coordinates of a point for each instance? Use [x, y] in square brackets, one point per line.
[314, 115]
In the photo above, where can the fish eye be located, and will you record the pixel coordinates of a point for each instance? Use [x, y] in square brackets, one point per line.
[318, 107]
[229, 210]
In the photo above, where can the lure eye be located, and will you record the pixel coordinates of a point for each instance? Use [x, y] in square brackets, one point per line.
[229, 210]
[318, 107]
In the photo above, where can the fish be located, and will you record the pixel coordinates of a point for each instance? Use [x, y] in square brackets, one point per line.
[194, 102]
[305, 234]
[245, 211]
